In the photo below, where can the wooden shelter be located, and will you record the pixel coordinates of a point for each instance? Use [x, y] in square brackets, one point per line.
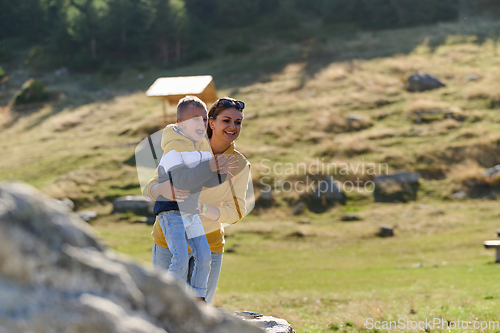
[172, 89]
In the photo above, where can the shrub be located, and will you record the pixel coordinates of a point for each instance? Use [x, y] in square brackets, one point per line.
[31, 91]
[41, 58]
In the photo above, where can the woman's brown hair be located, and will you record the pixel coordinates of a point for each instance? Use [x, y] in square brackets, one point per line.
[215, 110]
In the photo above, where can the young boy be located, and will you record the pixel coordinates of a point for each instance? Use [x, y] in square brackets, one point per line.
[188, 164]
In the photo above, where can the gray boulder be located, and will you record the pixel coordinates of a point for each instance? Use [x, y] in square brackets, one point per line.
[55, 276]
[326, 195]
[492, 172]
[265, 200]
[139, 205]
[298, 208]
[385, 231]
[423, 82]
[473, 77]
[400, 186]
[329, 190]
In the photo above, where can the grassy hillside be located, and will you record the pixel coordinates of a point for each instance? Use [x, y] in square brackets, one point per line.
[325, 275]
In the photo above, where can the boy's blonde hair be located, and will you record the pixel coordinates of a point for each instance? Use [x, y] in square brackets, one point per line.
[189, 101]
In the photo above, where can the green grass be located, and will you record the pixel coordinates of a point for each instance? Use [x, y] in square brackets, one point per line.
[339, 272]
[298, 94]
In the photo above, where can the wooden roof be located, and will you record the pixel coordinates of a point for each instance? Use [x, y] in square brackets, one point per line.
[174, 88]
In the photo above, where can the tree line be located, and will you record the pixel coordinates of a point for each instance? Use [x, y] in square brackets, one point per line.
[88, 34]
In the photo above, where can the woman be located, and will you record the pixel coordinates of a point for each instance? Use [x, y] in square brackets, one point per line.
[219, 206]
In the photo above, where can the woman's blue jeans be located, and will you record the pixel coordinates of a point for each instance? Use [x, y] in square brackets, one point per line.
[162, 258]
[174, 228]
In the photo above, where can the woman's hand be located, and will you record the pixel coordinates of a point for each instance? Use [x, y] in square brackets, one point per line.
[223, 164]
[211, 213]
[165, 189]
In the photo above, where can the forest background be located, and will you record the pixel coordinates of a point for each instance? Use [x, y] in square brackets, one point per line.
[107, 34]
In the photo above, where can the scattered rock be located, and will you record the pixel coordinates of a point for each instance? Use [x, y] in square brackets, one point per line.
[459, 195]
[419, 265]
[328, 189]
[423, 82]
[265, 199]
[61, 71]
[149, 220]
[357, 123]
[139, 205]
[87, 215]
[352, 118]
[400, 186]
[102, 92]
[298, 208]
[493, 172]
[385, 231]
[31, 91]
[297, 234]
[56, 276]
[266, 195]
[349, 218]
[305, 221]
[66, 203]
[324, 196]
[427, 116]
[472, 77]
[268, 323]
[433, 210]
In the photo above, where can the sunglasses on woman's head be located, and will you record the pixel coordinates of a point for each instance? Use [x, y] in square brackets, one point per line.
[229, 102]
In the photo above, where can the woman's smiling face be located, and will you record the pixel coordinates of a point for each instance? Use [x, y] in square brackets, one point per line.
[227, 125]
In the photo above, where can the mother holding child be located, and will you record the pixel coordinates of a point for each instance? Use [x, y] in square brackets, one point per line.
[200, 186]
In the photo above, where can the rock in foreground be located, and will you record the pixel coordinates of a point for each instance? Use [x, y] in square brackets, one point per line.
[55, 276]
[268, 323]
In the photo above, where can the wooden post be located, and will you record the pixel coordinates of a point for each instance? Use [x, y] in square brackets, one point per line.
[163, 101]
